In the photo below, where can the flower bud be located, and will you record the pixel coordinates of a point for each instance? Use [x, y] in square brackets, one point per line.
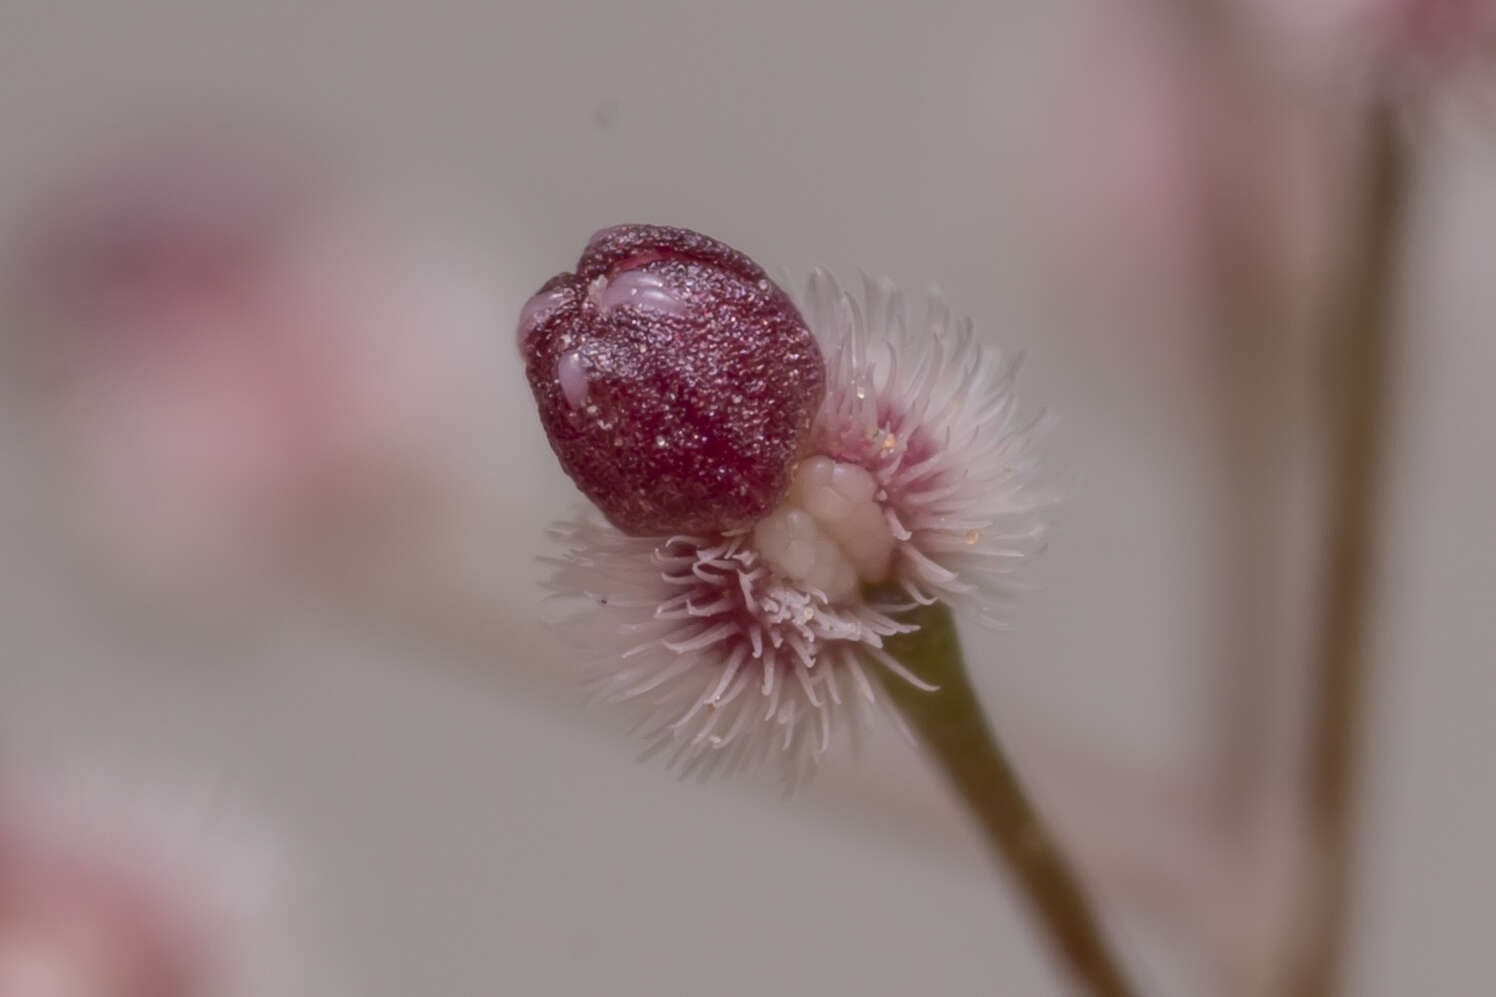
[676, 382]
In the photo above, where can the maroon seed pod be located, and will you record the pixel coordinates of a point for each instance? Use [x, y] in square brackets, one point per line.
[676, 382]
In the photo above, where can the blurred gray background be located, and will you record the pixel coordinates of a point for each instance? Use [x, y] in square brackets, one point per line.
[460, 824]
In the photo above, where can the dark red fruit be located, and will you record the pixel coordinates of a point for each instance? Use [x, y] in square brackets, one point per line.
[676, 382]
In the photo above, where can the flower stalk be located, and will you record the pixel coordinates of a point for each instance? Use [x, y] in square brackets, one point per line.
[953, 728]
[1362, 328]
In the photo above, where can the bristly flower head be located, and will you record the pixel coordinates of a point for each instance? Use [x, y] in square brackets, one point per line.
[748, 629]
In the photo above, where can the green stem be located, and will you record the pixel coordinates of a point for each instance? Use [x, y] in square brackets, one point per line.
[952, 726]
[1362, 331]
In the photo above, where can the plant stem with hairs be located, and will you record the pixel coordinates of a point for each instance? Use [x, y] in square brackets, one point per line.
[1362, 331]
[953, 728]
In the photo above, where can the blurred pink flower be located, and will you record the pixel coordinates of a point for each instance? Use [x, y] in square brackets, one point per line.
[1430, 42]
[1407, 47]
[231, 360]
[100, 900]
[70, 924]
[1190, 181]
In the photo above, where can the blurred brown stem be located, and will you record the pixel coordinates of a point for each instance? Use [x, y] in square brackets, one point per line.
[954, 729]
[1361, 326]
